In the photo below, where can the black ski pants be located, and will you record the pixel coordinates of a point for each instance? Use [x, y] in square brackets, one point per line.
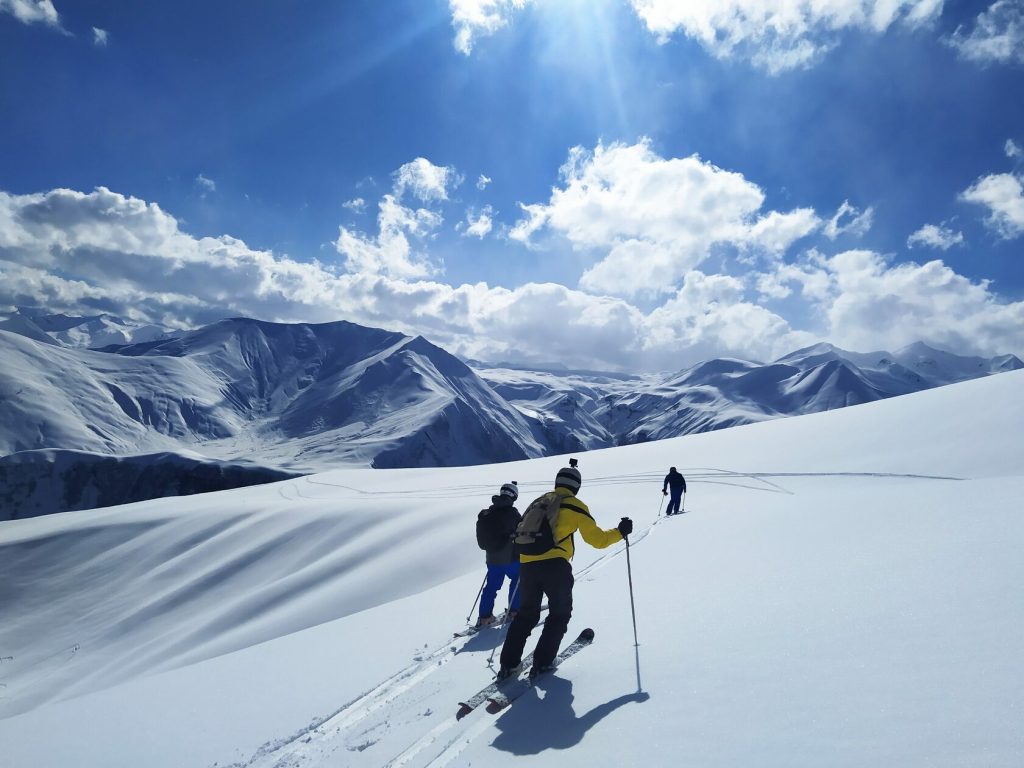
[552, 578]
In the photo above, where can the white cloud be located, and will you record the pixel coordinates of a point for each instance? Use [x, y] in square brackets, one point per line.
[102, 251]
[425, 181]
[1013, 149]
[479, 225]
[775, 232]
[32, 11]
[480, 18]
[934, 236]
[548, 322]
[775, 35]
[812, 280]
[778, 35]
[100, 37]
[866, 304]
[205, 185]
[652, 219]
[709, 315]
[997, 36]
[100, 220]
[849, 220]
[535, 220]
[482, 182]
[390, 252]
[1003, 194]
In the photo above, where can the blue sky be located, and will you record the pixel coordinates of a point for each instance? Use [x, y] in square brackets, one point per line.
[633, 184]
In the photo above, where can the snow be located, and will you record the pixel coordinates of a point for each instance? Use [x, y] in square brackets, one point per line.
[46, 481]
[844, 591]
[301, 397]
[82, 332]
[585, 411]
[306, 397]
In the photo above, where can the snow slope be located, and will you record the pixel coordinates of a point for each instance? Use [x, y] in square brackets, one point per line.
[844, 591]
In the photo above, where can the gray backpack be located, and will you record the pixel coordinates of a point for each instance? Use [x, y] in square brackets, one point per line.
[536, 533]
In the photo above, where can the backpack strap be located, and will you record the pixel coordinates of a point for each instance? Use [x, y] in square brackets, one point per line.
[566, 505]
[574, 508]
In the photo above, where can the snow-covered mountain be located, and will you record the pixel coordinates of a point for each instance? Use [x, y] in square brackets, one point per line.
[844, 590]
[290, 397]
[312, 395]
[304, 398]
[91, 332]
[295, 396]
[591, 411]
[563, 403]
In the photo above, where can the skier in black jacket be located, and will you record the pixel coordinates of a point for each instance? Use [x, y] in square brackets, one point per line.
[677, 483]
[495, 527]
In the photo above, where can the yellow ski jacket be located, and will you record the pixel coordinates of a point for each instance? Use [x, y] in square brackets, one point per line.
[574, 515]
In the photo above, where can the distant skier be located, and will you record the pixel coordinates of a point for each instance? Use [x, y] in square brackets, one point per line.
[495, 527]
[545, 550]
[677, 484]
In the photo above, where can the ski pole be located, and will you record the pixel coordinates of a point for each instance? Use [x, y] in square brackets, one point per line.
[632, 605]
[682, 504]
[479, 592]
[661, 504]
[512, 598]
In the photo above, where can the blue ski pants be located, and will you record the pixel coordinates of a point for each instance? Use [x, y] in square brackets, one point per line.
[495, 576]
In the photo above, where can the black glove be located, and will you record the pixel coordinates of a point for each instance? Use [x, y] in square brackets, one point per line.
[664, 492]
[625, 527]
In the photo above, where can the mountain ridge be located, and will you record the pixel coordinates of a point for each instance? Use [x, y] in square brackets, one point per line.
[306, 397]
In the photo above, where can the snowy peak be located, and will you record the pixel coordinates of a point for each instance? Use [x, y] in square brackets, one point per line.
[918, 362]
[25, 326]
[300, 396]
[1004, 363]
[92, 332]
[248, 336]
[941, 368]
[727, 392]
[264, 366]
[711, 372]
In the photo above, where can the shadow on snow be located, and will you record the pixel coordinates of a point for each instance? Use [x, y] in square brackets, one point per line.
[534, 724]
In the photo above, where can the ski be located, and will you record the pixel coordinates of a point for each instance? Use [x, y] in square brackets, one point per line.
[500, 622]
[486, 693]
[472, 629]
[506, 694]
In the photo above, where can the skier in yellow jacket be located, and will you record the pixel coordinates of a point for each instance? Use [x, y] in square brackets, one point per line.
[550, 574]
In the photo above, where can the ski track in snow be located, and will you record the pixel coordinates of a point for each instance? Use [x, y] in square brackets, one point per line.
[336, 731]
[694, 476]
[354, 711]
[456, 746]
